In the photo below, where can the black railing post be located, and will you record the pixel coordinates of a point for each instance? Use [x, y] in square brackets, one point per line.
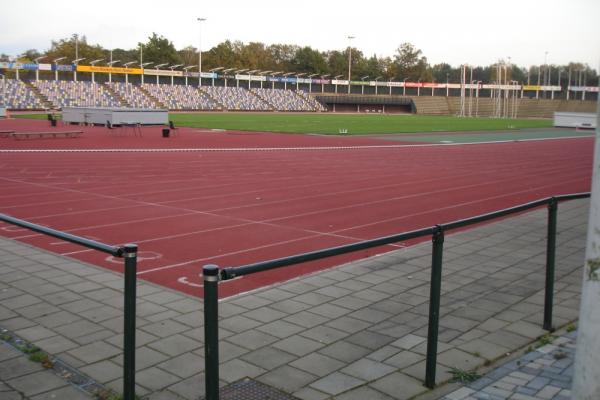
[434, 305]
[550, 263]
[211, 331]
[130, 256]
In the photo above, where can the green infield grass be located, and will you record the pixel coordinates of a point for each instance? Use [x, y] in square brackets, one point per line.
[333, 124]
[354, 124]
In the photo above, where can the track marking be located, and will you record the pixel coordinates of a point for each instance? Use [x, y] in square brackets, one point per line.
[277, 149]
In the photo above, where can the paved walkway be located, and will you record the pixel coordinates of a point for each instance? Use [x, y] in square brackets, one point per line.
[353, 332]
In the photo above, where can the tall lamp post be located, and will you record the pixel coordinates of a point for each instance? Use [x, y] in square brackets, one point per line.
[310, 83]
[157, 67]
[200, 20]
[336, 85]
[55, 61]
[297, 83]
[4, 93]
[404, 87]
[92, 63]
[363, 85]
[349, 60]
[218, 69]
[172, 68]
[75, 62]
[322, 82]
[186, 74]
[37, 71]
[265, 74]
[142, 65]
[126, 65]
[376, 85]
[110, 64]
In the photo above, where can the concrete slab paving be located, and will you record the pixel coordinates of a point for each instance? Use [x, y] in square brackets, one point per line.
[349, 332]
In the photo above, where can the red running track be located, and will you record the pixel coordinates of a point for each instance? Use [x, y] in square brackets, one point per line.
[187, 209]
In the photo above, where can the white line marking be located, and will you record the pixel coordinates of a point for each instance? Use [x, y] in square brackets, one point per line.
[259, 149]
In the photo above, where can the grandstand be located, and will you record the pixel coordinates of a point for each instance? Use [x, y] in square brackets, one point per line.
[76, 94]
[132, 96]
[179, 97]
[54, 94]
[19, 96]
[237, 99]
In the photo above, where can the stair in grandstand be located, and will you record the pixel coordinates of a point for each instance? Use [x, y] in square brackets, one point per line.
[43, 99]
[431, 105]
[116, 95]
[264, 100]
[154, 99]
[220, 105]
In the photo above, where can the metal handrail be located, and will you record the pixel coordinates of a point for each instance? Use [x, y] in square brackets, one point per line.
[129, 253]
[212, 276]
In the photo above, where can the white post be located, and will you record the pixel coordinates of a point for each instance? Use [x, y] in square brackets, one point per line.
[349, 60]
[586, 375]
[200, 20]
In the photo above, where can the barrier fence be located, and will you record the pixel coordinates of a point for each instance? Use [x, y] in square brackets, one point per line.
[129, 253]
[212, 275]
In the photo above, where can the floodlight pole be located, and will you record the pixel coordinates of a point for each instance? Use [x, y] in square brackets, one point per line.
[157, 67]
[92, 63]
[37, 71]
[142, 67]
[56, 67]
[75, 63]
[126, 65]
[349, 60]
[200, 20]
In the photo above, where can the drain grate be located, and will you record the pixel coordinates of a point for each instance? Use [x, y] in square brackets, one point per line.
[248, 389]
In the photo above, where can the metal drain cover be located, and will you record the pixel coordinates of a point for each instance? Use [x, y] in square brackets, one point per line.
[248, 389]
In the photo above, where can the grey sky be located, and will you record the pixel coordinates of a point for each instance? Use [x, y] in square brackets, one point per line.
[461, 31]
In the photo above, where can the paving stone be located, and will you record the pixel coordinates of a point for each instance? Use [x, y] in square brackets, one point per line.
[280, 329]
[390, 384]
[268, 357]
[363, 393]
[55, 344]
[308, 393]
[409, 341]
[298, 345]
[95, 352]
[16, 367]
[67, 392]
[485, 349]
[190, 389]
[252, 340]
[35, 333]
[234, 370]
[317, 364]
[184, 366]
[44, 381]
[336, 383]
[344, 351]
[103, 371]
[144, 358]
[165, 329]
[175, 345]
[324, 334]
[368, 370]
[155, 378]
[404, 358]
[287, 378]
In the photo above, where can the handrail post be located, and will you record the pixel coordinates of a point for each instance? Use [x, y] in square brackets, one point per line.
[550, 264]
[211, 331]
[434, 305]
[130, 256]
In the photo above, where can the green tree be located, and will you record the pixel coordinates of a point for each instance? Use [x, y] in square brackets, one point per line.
[309, 61]
[410, 63]
[159, 50]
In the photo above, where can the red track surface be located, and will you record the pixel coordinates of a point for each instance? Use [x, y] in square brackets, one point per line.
[187, 209]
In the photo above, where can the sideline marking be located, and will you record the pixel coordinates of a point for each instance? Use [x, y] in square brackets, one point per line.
[142, 256]
[259, 149]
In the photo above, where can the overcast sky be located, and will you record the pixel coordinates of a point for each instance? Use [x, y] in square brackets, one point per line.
[477, 32]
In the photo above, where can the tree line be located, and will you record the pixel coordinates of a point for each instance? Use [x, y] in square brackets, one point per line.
[407, 63]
